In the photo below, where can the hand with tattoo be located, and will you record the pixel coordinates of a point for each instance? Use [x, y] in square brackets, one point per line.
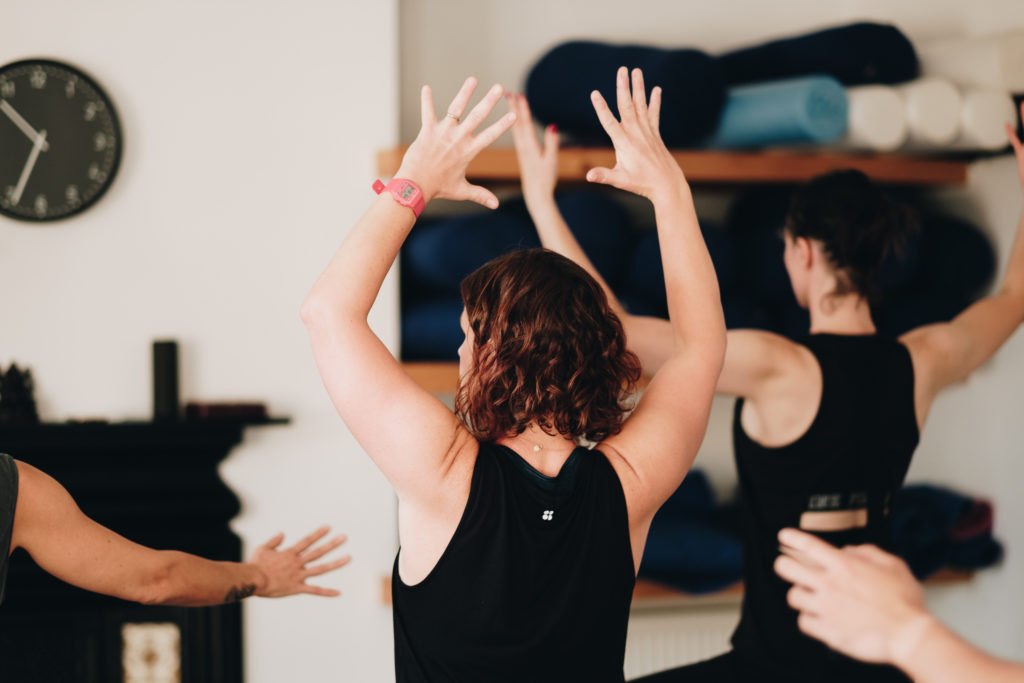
[285, 571]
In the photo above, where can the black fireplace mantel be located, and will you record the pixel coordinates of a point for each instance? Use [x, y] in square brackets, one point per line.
[156, 484]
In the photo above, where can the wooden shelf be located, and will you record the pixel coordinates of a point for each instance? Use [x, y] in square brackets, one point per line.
[650, 595]
[436, 377]
[721, 167]
[440, 377]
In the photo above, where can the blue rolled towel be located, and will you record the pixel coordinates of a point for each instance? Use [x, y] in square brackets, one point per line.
[811, 109]
[560, 83]
[854, 54]
[693, 556]
[922, 518]
[957, 259]
[431, 330]
[905, 311]
[444, 253]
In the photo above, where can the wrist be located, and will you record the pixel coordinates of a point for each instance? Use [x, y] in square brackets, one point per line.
[539, 200]
[259, 579]
[428, 188]
[907, 638]
[671, 195]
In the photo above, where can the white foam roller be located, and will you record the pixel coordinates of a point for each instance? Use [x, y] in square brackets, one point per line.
[876, 119]
[933, 110]
[987, 61]
[982, 118]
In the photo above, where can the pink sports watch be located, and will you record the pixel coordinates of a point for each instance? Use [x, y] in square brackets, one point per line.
[405, 192]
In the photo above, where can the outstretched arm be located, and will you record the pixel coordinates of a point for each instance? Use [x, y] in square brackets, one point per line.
[865, 603]
[660, 439]
[945, 353]
[752, 358]
[64, 542]
[414, 439]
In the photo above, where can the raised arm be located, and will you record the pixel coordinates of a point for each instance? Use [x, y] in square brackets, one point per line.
[660, 439]
[67, 544]
[752, 358]
[412, 437]
[946, 353]
[865, 603]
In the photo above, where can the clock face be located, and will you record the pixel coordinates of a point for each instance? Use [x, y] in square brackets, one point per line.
[60, 140]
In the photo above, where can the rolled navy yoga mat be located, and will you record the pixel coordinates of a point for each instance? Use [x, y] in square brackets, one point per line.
[877, 119]
[443, 253]
[431, 330]
[988, 61]
[855, 54]
[933, 108]
[560, 83]
[799, 110]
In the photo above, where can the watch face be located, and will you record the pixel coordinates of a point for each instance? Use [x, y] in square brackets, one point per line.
[60, 140]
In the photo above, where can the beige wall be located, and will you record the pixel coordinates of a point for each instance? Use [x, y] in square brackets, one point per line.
[250, 130]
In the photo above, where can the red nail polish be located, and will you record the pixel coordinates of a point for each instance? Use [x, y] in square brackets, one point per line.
[554, 128]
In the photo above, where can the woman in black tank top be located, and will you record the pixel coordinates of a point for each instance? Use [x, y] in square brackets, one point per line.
[519, 548]
[824, 429]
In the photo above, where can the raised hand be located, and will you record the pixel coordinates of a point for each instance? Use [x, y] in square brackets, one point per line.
[538, 166]
[859, 600]
[643, 164]
[438, 158]
[1018, 147]
[286, 570]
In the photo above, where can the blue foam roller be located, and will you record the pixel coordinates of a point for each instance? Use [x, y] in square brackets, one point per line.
[801, 110]
[854, 54]
[444, 253]
[559, 88]
[431, 330]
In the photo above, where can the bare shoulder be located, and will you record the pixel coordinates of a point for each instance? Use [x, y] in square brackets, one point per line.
[774, 349]
[758, 362]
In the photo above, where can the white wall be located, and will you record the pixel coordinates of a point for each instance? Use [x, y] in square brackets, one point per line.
[974, 438]
[250, 131]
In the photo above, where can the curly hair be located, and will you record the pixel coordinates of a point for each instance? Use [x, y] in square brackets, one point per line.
[548, 349]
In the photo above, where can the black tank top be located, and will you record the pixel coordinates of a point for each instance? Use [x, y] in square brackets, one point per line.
[8, 502]
[535, 584]
[854, 455]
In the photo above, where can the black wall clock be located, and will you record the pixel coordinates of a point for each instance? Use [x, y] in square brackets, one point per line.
[60, 140]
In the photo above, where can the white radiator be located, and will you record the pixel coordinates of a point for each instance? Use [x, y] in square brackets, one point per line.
[664, 638]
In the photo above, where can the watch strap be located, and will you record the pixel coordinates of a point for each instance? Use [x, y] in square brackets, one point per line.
[400, 190]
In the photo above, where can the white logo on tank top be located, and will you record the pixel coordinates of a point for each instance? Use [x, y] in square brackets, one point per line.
[548, 515]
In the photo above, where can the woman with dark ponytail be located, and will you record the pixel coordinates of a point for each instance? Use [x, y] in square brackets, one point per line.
[824, 428]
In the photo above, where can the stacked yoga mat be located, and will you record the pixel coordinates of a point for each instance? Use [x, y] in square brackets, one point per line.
[946, 264]
[859, 86]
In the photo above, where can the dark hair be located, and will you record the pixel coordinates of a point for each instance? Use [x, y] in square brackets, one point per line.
[548, 348]
[858, 225]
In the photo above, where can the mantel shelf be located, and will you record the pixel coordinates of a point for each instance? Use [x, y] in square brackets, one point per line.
[722, 167]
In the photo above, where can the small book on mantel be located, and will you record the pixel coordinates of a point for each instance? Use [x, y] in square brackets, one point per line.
[244, 412]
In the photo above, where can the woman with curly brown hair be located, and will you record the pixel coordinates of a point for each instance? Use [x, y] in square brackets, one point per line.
[519, 547]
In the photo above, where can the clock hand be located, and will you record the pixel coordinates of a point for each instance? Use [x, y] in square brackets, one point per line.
[21, 122]
[29, 165]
